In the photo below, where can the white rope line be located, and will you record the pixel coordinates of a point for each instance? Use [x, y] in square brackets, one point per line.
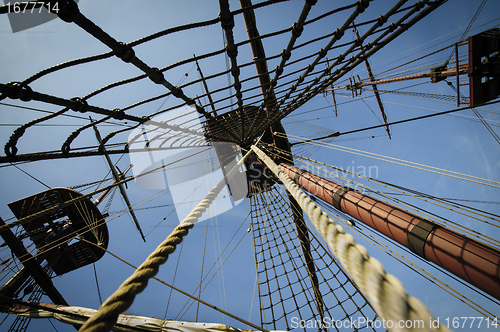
[385, 292]
[105, 318]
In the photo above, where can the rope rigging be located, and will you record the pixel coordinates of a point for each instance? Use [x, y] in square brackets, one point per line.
[293, 263]
[383, 290]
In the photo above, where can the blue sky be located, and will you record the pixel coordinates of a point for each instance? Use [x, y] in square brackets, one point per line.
[458, 143]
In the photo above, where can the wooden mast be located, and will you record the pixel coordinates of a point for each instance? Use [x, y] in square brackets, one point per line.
[471, 260]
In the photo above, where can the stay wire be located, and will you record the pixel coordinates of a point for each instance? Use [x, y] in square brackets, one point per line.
[478, 11]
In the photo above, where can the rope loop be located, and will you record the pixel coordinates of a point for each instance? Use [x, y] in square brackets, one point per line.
[156, 76]
[79, 105]
[18, 90]
[10, 150]
[118, 114]
[68, 10]
[65, 148]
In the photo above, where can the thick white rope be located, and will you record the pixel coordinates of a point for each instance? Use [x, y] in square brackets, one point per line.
[397, 310]
[105, 318]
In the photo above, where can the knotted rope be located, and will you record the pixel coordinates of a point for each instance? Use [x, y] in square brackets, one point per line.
[105, 318]
[387, 295]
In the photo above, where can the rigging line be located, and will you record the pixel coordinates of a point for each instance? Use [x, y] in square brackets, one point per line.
[350, 101]
[31, 176]
[220, 276]
[279, 196]
[470, 177]
[183, 292]
[97, 284]
[50, 321]
[487, 239]
[72, 201]
[370, 238]
[416, 47]
[179, 316]
[468, 28]
[278, 235]
[404, 203]
[201, 273]
[414, 60]
[67, 115]
[372, 111]
[479, 116]
[413, 207]
[401, 189]
[366, 271]
[406, 120]
[455, 115]
[173, 280]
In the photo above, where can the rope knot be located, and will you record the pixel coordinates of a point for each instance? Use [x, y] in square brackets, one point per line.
[232, 50]
[118, 114]
[18, 90]
[297, 30]
[286, 55]
[156, 75]
[279, 70]
[226, 19]
[235, 70]
[362, 5]
[339, 33]
[79, 105]
[68, 10]
[125, 52]
[419, 5]
[381, 20]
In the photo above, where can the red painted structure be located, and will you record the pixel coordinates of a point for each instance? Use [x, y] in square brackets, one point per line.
[473, 261]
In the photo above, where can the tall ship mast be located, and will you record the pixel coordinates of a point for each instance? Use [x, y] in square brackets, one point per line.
[250, 165]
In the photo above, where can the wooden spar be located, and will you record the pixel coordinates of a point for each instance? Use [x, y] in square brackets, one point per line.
[105, 193]
[471, 260]
[117, 178]
[464, 69]
[375, 89]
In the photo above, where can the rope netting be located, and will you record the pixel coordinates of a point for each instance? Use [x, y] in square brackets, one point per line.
[295, 79]
[288, 295]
